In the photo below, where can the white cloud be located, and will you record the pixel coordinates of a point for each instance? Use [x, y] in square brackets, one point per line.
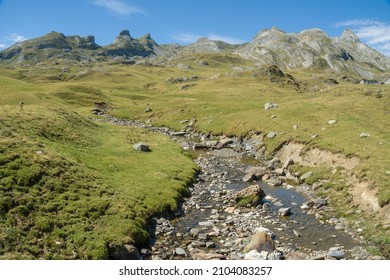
[10, 39]
[118, 7]
[15, 38]
[186, 37]
[375, 34]
[229, 40]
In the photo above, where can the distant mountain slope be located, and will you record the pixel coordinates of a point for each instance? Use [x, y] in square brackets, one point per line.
[307, 49]
[313, 48]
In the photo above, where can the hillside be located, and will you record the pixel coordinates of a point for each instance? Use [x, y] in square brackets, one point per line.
[73, 187]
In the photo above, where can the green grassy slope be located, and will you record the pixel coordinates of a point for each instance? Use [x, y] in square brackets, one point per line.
[71, 188]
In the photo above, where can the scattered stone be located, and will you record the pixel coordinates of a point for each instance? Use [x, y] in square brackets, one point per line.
[287, 163]
[194, 232]
[250, 195]
[364, 135]
[335, 254]
[98, 111]
[254, 173]
[210, 256]
[255, 255]
[297, 233]
[271, 135]
[270, 106]
[297, 255]
[275, 181]
[141, 147]
[314, 136]
[260, 241]
[180, 252]
[331, 122]
[305, 176]
[206, 224]
[126, 252]
[223, 142]
[295, 127]
[359, 253]
[147, 110]
[210, 244]
[178, 133]
[249, 177]
[230, 210]
[284, 211]
[146, 252]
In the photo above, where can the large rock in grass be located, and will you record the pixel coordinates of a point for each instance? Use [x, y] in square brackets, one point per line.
[125, 252]
[251, 195]
[141, 147]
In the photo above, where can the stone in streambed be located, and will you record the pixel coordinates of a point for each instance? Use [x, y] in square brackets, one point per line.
[251, 195]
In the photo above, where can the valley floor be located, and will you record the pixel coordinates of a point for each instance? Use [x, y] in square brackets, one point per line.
[74, 188]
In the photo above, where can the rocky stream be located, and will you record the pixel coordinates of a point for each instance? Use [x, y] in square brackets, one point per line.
[242, 208]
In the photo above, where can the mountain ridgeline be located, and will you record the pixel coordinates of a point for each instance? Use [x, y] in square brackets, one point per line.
[307, 49]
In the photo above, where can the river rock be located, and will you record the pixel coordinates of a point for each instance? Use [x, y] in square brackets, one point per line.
[141, 147]
[194, 232]
[249, 177]
[178, 133]
[201, 255]
[260, 241]
[126, 252]
[250, 195]
[335, 254]
[254, 173]
[180, 252]
[223, 142]
[275, 181]
[206, 224]
[285, 211]
[287, 163]
[254, 255]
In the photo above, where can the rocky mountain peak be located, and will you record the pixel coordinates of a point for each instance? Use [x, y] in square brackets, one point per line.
[349, 35]
[269, 33]
[124, 35]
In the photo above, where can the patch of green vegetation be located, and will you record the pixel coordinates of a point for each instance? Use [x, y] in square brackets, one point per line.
[244, 201]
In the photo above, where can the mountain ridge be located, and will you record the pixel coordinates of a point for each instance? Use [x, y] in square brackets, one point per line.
[307, 49]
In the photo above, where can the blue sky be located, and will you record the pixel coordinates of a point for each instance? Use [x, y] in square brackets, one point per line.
[184, 21]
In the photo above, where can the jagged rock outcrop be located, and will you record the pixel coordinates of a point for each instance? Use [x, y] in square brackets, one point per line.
[74, 48]
[126, 46]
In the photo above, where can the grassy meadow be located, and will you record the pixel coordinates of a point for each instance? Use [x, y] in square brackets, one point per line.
[74, 188]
